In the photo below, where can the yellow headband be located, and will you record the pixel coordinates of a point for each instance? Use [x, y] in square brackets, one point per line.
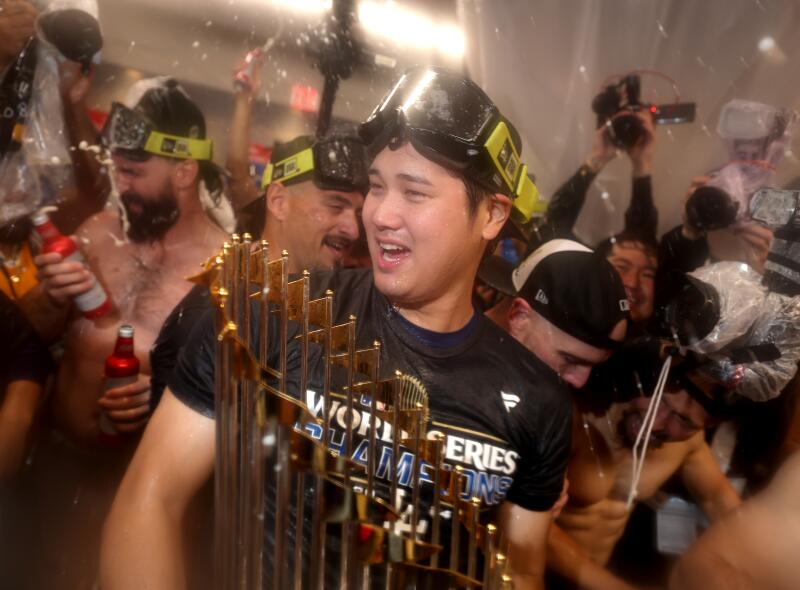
[174, 146]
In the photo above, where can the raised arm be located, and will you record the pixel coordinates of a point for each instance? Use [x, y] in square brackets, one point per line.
[566, 204]
[92, 186]
[242, 190]
[142, 545]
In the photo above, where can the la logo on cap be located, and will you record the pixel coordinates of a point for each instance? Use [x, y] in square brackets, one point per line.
[542, 298]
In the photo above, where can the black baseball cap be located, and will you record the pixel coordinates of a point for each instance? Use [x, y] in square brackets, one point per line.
[159, 105]
[574, 289]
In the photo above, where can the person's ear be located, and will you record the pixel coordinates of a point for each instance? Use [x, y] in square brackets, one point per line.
[277, 201]
[520, 316]
[499, 210]
[185, 174]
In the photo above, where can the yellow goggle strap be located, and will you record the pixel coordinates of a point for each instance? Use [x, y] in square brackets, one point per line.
[504, 155]
[174, 146]
[291, 167]
[528, 202]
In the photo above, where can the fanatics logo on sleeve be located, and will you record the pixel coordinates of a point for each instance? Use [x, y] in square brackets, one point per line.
[510, 400]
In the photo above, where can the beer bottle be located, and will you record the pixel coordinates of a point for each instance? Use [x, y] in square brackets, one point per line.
[122, 368]
[94, 303]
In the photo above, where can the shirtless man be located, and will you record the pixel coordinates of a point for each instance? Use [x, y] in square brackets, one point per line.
[168, 233]
[168, 236]
[602, 487]
[754, 548]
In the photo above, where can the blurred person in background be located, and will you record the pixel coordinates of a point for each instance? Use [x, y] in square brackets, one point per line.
[25, 366]
[604, 484]
[633, 251]
[640, 217]
[73, 204]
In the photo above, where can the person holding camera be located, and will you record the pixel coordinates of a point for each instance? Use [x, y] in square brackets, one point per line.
[693, 243]
[568, 200]
[632, 252]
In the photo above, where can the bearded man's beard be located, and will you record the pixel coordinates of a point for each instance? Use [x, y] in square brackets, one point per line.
[149, 219]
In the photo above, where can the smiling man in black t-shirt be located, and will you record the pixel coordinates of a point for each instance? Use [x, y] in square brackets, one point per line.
[444, 178]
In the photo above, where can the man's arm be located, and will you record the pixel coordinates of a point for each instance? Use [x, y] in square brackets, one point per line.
[242, 189]
[706, 482]
[17, 416]
[142, 536]
[92, 186]
[525, 532]
[566, 204]
[567, 558]
[49, 303]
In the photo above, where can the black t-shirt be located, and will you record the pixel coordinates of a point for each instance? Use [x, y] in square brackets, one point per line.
[506, 414]
[173, 335]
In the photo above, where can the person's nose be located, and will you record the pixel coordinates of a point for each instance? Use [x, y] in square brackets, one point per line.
[578, 376]
[348, 225]
[386, 212]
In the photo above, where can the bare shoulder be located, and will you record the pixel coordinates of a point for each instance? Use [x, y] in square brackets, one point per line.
[101, 229]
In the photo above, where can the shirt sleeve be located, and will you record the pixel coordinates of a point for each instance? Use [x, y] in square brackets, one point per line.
[192, 380]
[24, 356]
[677, 253]
[540, 475]
[566, 204]
[642, 216]
[172, 337]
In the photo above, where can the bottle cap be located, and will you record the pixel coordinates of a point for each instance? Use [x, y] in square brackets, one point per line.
[40, 218]
[126, 331]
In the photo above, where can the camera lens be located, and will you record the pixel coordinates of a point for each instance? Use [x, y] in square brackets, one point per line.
[710, 208]
[626, 130]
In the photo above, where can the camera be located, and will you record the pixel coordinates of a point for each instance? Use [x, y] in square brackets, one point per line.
[617, 104]
[711, 208]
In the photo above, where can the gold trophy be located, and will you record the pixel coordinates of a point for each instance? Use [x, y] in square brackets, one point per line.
[324, 510]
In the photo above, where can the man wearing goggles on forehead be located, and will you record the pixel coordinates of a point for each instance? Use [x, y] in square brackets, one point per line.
[314, 194]
[311, 208]
[445, 176]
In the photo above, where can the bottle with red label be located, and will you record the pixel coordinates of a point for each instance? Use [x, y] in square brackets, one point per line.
[243, 77]
[122, 368]
[95, 302]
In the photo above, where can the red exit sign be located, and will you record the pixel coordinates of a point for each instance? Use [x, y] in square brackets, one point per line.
[304, 98]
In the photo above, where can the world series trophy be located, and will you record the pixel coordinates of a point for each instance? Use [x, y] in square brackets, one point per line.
[292, 513]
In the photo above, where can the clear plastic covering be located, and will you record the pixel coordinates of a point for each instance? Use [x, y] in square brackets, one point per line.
[756, 136]
[750, 318]
[41, 168]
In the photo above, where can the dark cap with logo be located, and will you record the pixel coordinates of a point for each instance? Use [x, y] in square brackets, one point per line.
[575, 289]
